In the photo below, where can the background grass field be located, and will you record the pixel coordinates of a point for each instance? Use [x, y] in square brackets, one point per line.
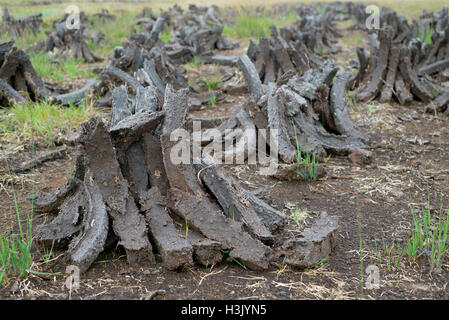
[412, 8]
[73, 72]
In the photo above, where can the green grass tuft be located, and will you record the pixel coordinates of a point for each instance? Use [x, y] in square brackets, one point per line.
[194, 63]
[41, 120]
[427, 238]
[429, 235]
[321, 10]
[306, 162]
[165, 36]
[256, 26]
[60, 71]
[428, 32]
[15, 248]
[213, 100]
[209, 84]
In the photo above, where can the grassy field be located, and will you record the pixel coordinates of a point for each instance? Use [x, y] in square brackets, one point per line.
[74, 72]
[412, 8]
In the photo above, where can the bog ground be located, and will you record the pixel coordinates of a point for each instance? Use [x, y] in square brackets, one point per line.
[363, 131]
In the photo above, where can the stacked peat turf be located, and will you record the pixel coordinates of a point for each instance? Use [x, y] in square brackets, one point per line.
[145, 51]
[16, 27]
[18, 79]
[296, 48]
[104, 16]
[132, 54]
[65, 39]
[126, 178]
[277, 55]
[139, 62]
[201, 29]
[139, 68]
[19, 82]
[162, 61]
[146, 12]
[197, 31]
[318, 31]
[405, 67]
[357, 11]
[315, 26]
[307, 113]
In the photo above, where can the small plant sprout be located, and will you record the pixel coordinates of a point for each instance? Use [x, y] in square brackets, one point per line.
[378, 255]
[309, 163]
[15, 249]
[226, 253]
[319, 49]
[213, 100]
[68, 175]
[165, 36]
[239, 263]
[429, 235]
[298, 215]
[319, 263]
[306, 162]
[48, 253]
[194, 63]
[111, 260]
[353, 102]
[209, 84]
[435, 92]
[207, 262]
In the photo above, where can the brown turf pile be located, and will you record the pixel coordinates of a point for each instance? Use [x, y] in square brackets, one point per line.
[18, 79]
[144, 59]
[20, 83]
[17, 27]
[295, 48]
[402, 66]
[306, 114]
[63, 39]
[126, 188]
